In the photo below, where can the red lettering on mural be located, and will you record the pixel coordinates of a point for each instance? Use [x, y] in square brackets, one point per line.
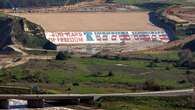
[127, 37]
[114, 37]
[98, 38]
[136, 37]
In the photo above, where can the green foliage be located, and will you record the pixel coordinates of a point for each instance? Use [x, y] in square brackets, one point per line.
[32, 41]
[152, 64]
[110, 75]
[146, 103]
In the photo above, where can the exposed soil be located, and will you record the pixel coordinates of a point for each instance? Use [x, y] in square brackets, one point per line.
[100, 21]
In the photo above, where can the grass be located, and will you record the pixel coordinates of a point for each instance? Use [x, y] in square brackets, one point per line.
[37, 52]
[146, 103]
[166, 55]
[90, 72]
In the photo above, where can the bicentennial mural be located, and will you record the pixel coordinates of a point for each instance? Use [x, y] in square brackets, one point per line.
[60, 38]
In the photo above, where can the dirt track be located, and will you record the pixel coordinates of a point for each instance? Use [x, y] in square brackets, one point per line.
[100, 21]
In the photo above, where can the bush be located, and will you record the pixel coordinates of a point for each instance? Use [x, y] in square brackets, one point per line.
[60, 56]
[151, 85]
[152, 64]
[182, 81]
[188, 72]
[75, 84]
[110, 73]
[167, 68]
[68, 89]
[157, 60]
[63, 55]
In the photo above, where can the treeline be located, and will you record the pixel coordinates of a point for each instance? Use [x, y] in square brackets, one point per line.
[35, 3]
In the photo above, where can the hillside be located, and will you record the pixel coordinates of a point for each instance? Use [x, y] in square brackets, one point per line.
[15, 30]
[37, 3]
[48, 3]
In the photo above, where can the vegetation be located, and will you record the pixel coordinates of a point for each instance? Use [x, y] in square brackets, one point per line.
[94, 75]
[146, 103]
[186, 58]
[37, 52]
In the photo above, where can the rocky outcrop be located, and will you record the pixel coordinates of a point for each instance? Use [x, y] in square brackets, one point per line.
[16, 30]
[5, 30]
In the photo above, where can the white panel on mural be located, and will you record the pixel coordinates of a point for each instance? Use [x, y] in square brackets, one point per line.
[60, 38]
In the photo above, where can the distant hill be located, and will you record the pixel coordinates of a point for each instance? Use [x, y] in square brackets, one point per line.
[35, 3]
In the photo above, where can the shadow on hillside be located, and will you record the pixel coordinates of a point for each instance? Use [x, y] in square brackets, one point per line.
[169, 29]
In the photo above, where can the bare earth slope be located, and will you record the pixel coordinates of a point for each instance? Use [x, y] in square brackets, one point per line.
[101, 21]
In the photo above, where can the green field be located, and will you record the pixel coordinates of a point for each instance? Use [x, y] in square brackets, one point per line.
[94, 75]
[146, 103]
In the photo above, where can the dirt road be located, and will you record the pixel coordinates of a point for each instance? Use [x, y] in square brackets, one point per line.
[24, 58]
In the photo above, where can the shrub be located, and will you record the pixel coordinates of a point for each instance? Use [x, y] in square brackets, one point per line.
[68, 89]
[188, 72]
[63, 55]
[151, 85]
[60, 56]
[110, 73]
[167, 68]
[152, 64]
[157, 60]
[75, 84]
[182, 81]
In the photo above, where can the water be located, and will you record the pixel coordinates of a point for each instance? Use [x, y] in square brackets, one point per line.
[22, 105]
